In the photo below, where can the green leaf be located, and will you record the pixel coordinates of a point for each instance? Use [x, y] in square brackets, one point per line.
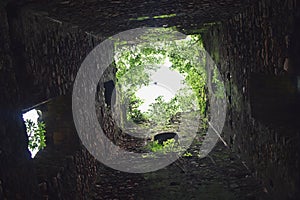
[36, 135]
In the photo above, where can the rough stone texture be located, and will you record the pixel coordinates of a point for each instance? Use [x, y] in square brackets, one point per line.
[65, 169]
[16, 175]
[54, 53]
[65, 176]
[34, 69]
[42, 44]
[105, 18]
[52, 37]
[220, 176]
[250, 49]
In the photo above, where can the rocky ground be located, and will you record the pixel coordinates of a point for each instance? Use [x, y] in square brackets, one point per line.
[221, 175]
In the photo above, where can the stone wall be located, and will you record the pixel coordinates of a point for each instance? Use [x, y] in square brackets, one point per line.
[53, 53]
[17, 178]
[65, 169]
[40, 56]
[251, 51]
[39, 61]
[65, 176]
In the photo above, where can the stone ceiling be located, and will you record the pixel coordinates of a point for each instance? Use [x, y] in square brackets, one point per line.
[105, 18]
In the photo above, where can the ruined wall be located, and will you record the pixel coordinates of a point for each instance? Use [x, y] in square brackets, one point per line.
[53, 53]
[251, 50]
[17, 178]
[63, 175]
[39, 61]
[40, 56]
[65, 169]
[47, 52]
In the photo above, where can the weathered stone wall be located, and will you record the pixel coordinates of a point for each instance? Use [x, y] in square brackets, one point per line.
[107, 18]
[17, 178]
[252, 48]
[40, 58]
[65, 169]
[47, 53]
[65, 176]
[53, 52]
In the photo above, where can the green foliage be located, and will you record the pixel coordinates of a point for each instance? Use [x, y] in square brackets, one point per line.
[152, 49]
[167, 146]
[189, 61]
[133, 64]
[134, 113]
[187, 100]
[220, 90]
[187, 154]
[160, 112]
[154, 146]
[154, 17]
[36, 135]
[164, 16]
[170, 146]
[139, 18]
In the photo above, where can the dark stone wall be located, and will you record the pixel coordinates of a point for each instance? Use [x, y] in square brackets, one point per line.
[65, 169]
[39, 61]
[107, 18]
[40, 56]
[17, 178]
[251, 51]
[47, 53]
[65, 176]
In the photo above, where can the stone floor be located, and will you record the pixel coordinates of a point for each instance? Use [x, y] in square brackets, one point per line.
[221, 175]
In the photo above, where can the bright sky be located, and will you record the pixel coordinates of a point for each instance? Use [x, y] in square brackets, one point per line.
[33, 116]
[150, 93]
[164, 82]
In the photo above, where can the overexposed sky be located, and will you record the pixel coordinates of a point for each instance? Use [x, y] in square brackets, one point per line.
[33, 116]
[150, 93]
[164, 82]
